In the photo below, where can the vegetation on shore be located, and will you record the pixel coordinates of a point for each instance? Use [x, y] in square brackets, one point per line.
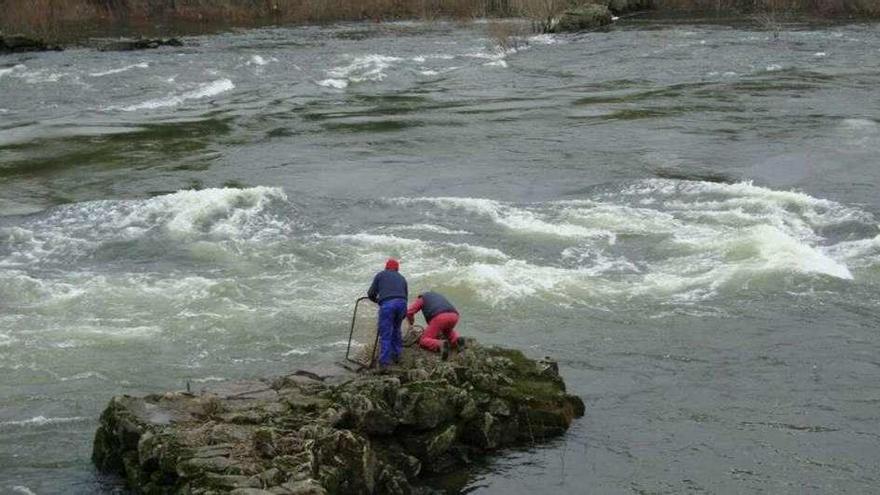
[822, 8]
[70, 20]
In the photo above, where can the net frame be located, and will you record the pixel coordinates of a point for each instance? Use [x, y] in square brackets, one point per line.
[367, 355]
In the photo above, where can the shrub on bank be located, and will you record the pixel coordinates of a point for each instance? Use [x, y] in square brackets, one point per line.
[869, 8]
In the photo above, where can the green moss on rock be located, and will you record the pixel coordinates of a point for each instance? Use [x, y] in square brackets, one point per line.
[361, 434]
[589, 16]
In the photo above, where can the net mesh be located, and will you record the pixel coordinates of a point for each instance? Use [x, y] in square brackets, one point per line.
[362, 347]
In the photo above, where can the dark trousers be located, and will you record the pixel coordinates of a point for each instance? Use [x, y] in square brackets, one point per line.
[391, 314]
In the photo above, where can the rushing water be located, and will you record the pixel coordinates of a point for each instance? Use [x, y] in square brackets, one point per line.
[686, 217]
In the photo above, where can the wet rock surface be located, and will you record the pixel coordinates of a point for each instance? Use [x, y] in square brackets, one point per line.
[122, 45]
[17, 43]
[346, 433]
[627, 6]
[588, 16]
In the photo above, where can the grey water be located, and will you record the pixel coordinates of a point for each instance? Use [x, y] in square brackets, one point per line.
[684, 215]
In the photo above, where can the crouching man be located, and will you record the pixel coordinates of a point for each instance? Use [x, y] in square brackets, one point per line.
[442, 317]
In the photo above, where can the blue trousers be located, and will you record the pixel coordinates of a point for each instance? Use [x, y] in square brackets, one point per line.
[391, 315]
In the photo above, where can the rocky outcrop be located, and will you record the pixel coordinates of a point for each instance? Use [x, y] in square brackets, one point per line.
[20, 43]
[17, 43]
[136, 44]
[360, 434]
[626, 6]
[588, 16]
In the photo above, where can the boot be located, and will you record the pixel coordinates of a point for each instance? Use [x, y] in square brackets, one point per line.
[444, 351]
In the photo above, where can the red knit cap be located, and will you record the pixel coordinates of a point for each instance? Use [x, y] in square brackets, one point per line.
[392, 264]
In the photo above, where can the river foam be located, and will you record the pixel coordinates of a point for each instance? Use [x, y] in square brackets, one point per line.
[661, 238]
[667, 240]
[258, 60]
[364, 68]
[40, 76]
[426, 227]
[11, 70]
[205, 90]
[142, 65]
[38, 421]
[72, 231]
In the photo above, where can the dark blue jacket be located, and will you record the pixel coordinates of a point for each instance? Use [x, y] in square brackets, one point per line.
[387, 284]
[433, 304]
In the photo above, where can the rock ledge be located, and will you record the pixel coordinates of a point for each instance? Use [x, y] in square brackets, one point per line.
[17, 43]
[358, 433]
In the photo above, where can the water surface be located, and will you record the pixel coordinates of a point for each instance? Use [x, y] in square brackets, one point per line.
[684, 216]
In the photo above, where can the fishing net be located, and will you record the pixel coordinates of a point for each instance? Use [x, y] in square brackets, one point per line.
[411, 336]
[362, 344]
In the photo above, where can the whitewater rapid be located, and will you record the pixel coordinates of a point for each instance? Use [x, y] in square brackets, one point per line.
[662, 239]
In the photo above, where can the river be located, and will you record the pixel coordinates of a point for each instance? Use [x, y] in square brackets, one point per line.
[684, 215]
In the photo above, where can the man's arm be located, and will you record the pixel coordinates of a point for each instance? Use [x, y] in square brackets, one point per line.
[373, 292]
[414, 308]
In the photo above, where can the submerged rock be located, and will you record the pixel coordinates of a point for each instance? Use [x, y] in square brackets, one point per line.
[17, 43]
[358, 433]
[137, 44]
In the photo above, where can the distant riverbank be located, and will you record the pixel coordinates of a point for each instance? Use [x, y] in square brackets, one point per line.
[70, 21]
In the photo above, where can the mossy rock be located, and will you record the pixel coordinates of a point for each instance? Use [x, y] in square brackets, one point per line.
[590, 16]
[17, 43]
[625, 6]
[425, 405]
[363, 434]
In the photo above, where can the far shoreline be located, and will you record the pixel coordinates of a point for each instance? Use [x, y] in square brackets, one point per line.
[76, 23]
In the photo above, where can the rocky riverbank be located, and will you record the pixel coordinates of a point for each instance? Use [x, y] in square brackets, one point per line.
[76, 21]
[145, 27]
[19, 43]
[362, 433]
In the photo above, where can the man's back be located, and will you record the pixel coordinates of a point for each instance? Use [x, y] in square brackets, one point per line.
[434, 303]
[387, 284]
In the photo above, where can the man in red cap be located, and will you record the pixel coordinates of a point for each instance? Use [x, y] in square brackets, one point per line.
[441, 317]
[389, 291]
